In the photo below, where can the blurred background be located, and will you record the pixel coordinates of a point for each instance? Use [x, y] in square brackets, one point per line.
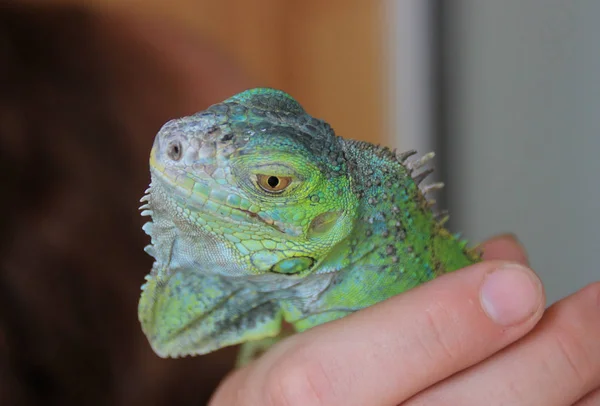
[507, 93]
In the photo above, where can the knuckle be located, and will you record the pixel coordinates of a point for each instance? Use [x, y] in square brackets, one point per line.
[576, 334]
[437, 339]
[296, 381]
[573, 355]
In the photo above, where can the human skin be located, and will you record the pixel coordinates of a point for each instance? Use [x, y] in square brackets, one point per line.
[479, 335]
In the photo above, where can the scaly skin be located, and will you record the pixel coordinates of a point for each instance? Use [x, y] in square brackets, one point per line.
[260, 214]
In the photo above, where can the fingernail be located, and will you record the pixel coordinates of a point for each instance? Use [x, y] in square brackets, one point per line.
[510, 294]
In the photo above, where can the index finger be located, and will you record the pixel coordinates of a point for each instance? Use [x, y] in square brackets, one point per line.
[504, 247]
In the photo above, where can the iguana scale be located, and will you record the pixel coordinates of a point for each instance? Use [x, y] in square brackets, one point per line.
[261, 214]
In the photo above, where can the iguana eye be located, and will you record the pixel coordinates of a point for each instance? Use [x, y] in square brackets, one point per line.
[175, 151]
[272, 183]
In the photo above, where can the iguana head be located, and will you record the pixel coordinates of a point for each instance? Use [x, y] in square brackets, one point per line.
[246, 199]
[258, 180]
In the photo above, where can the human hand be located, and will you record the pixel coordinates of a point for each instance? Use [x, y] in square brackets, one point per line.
[557, 363]
[447, 342]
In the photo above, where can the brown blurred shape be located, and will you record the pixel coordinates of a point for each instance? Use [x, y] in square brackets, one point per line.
[330, 55]
[83, 90]
[77, 118]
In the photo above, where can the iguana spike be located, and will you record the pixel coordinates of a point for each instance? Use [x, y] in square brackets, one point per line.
[416, 164]
[443, 221]
[144, 206]
[432, 187]
[403, 156]
[442, 213]
[442, 217]
[146, 197]
[147, 227]
[419, 178]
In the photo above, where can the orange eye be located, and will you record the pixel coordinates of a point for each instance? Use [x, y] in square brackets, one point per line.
[272, 183]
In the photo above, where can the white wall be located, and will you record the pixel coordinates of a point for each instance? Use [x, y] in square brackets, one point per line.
[524, 124]
[408, 39]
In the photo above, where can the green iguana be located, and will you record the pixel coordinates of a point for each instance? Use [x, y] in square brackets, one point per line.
[261, 214]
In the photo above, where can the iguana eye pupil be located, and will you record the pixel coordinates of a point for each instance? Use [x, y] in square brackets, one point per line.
[273, 181]
[174, 151]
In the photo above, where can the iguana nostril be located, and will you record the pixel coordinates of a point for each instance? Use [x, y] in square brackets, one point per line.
[175, 150]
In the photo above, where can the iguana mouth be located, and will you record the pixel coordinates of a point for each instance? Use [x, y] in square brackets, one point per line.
[203, 198]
